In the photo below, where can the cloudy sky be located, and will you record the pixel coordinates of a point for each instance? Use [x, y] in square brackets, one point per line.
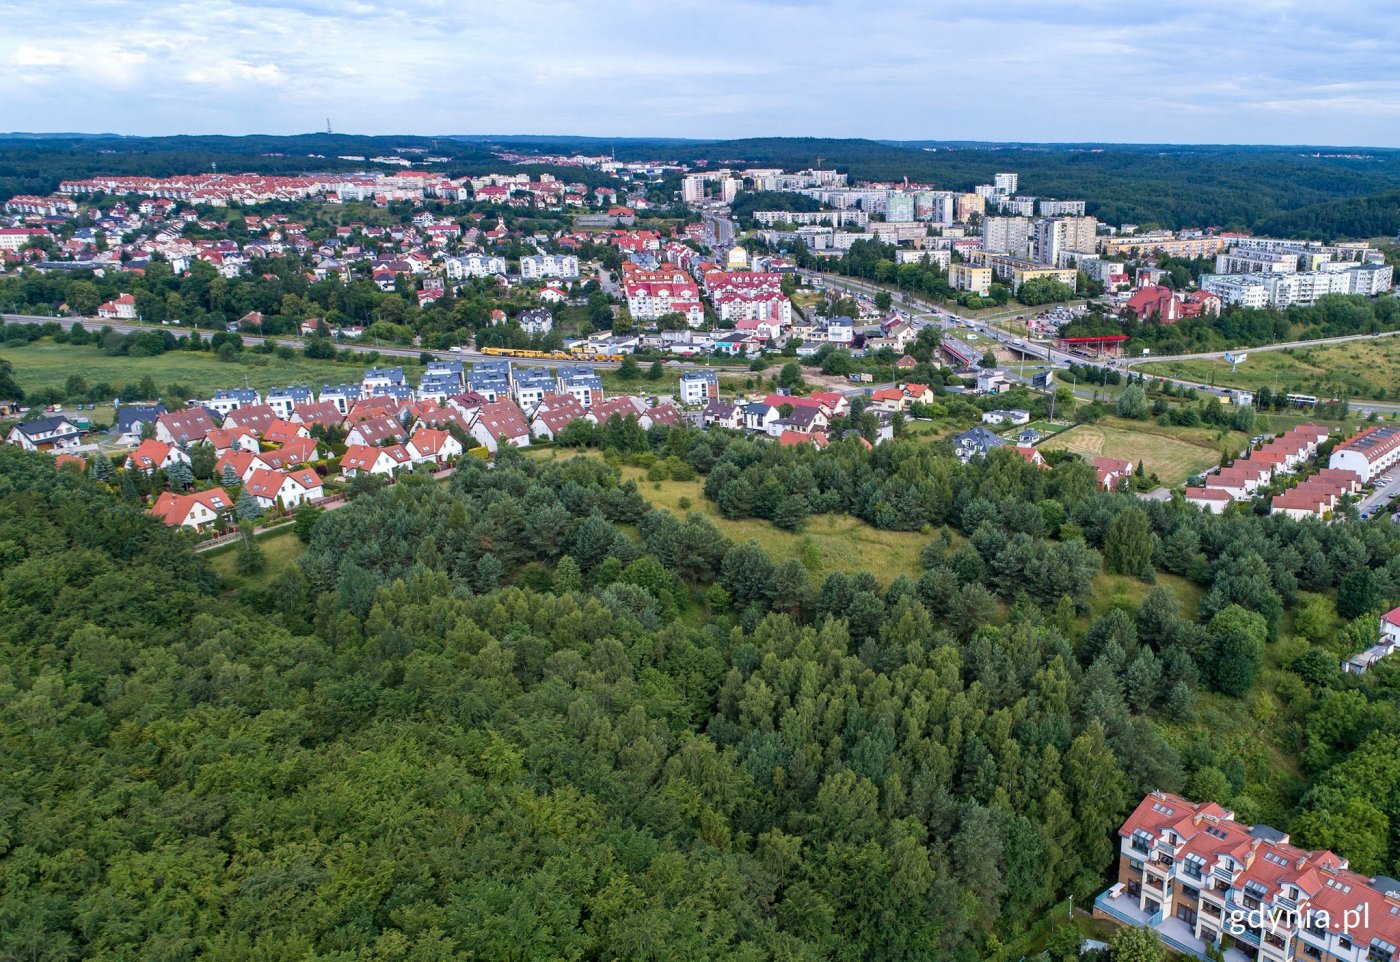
[1187, 71]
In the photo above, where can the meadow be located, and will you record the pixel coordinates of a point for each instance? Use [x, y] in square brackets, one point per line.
[1361, 370]
[1173, 454]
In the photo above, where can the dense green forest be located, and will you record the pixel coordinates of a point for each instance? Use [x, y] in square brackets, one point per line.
[525, 715]
[1280, 190]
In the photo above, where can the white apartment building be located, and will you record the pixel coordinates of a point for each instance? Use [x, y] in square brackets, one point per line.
[1284, 290]
[474, 264]
[1006, 235]
[1006, 182]
[1061, 208]
[1247, 261]
[538, 266]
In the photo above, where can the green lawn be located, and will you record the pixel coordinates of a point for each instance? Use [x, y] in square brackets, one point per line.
[1173, 454]
[44, 364]
[1357, 369]
[281, 549]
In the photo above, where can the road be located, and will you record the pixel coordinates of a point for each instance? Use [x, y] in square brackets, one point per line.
[466, 354]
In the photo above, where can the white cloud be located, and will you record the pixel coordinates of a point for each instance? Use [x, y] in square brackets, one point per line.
[233, 73]
[1186, 70]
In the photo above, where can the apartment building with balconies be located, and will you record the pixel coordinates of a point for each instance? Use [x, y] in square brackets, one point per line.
[1198, 878]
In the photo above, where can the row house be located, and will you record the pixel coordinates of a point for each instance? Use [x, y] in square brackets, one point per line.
[1318, 495]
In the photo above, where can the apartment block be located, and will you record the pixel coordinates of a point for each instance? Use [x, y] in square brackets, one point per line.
[1203, 881]
[966, 277]
[1007, 235]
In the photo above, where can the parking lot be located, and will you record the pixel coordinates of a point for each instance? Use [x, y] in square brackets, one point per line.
[1387, 487]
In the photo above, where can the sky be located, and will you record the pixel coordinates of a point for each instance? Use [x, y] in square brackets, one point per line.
[1174, 71]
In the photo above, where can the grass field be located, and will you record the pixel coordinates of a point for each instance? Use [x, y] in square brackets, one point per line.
[44, 364]
[1173, 454]
[1356, 369]
[828, 543]
[281, 548]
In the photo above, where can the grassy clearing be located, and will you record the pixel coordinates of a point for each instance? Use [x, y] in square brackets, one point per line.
[280, 548]
[1357, 369]
[828, 543]
[44, 364]
[1173, 454]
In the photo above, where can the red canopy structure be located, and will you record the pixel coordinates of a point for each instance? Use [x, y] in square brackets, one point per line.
[1101, 343]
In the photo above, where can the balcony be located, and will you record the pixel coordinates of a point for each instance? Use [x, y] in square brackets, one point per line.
[1174, 933]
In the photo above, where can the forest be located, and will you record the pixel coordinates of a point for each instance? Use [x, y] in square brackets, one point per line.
[1267, 190]
[526, 715]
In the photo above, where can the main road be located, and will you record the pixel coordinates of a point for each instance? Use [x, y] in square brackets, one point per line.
[467, 354]
[1043, 351]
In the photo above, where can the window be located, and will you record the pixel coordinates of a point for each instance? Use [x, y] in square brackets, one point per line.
[1312, 951]
[1190, 892]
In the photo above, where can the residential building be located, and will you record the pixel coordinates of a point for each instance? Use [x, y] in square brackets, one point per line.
[1369, 454]
[385, 461]
[539, 266]
[255, 418]
[500, 422]
[153, 455]
[132, 421]
[198, 510]
[1062, 208]
[1014, 417]
[1203, 881]
[1007, 235]
[46, 434]
[1387, 644]
[554, 413]
[431, 446]
[225, 402]
[474, 264]
[285, 400]
[343, 396]
[976, 442]
[699, 387]
[968, 277]
[184, 427]
[377, 430]
[535, 320]
[121, 308]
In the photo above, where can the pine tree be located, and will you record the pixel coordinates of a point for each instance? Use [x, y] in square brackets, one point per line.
[229, 478]
[180, 475]
[567, 576]
[102, 468]
[251, 559]
[248, 508]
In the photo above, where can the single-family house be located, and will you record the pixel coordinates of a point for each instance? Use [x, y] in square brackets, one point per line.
[363, 459]
[199, 510]
[152, 456]
[500, 421]
[186, 426]
[554, 413]
[430, 446]
[46, 434]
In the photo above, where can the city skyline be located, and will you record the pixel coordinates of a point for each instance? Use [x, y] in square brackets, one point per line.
[1009, 71]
